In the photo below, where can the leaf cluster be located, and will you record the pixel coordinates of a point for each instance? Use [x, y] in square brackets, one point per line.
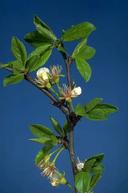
[43, 40]
[87, 179]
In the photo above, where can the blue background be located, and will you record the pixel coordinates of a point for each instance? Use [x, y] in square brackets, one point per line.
[21, 105]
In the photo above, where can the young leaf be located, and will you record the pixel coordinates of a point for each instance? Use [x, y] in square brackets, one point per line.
[97, 174]
[83, 51]
[89, 106]
[80, 110]
[86, 52]
[17, 67]
[92, 162]
[82, 182]
[42, 153]
[36, 39]
[95, 110]
[13, 79]
[79, 31]
[98, 157]
[43, 30]
[57, 126]
[94, 166]
[43, 56]
[40, 50]
[46, 140]
[42, 23]
[32, 63]
[88, 165]
[5, 65]
[84, 68]
[94, 180]
[98, 168]
[78, 47]
[19, 50]
[101, 112]
[40, 130]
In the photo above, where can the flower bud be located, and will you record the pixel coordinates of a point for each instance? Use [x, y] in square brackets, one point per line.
[79, 164]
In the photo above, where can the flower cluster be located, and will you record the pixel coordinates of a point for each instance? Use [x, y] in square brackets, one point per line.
[49, 169]
[46, 78]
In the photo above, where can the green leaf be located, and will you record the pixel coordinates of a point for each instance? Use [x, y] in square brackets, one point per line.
[94, 180]
[78, 47]
[98, 168]
[19, 50]
[40, 130]
[43, 52]
[82, 182]
[42, 23]
[83, 51]
[80, 110]
[89, 106]
[17, 67]
[42, 140]
[46, 140]
[94, 166]
[5, 65]
[95, 110]
[93, 161]
[89, 164]
[84, 68]
[36, 39]
[43, 56]
[57, 126]
[79, 31]
[87, 52]
[32, 63]
[101, 112]
[98, 171]
[43, 30]
[13, 79]
[42, 153]
[98, 157]
[40, 50]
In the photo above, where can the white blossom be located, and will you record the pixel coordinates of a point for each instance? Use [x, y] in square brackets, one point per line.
[43, 73]
[76, 91]
[79, 164]
[67, 93]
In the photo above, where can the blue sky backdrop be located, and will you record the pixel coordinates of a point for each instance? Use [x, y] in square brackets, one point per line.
[21, 105]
